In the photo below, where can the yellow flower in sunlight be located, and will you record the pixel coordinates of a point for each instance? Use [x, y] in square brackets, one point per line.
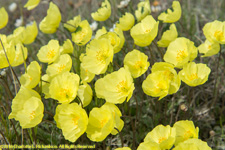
[103, 13]
[49, 53]
[31, 4]
[67, 47]
[194, 74]
[62, 64]
[163, 135]
[82, 34]
[136, 62]
[149, 145]
[30, 33]
[27, 108]
[172, 15]
[10, 52]
[64, 87]
[126, 22]
[99, 53]
[192, 144]
[209, 48]
[85, 75]
[145, 32]
[123, 148]
[51, 22]
[21, 55]
[215, 31]
[100, 124]
[4, 17]
[100, 32]
[115, 87]
[72, 119]
[85, 94]
[180, 52]
[116, 116]
[143, 10]
[72, 24]
[32, 76]
[17, 36]
[185, 130]
[168, 36]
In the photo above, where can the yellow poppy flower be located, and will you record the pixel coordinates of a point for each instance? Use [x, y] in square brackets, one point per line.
[82, 34]
[215, 31]
[126, 22]
[72, 119]
[192, 144]
[31, 4]
[49, 53]
[143, 10]
[21, 55]
[64, 87]
[100, 32]
[51, 22]
[194, 74]
[145, 32]
[30, 33]
[62, 64]
[85, 94]
[72, 24]
[99, 53]
[32, 76]
[17, 36]
[180, 52]
[209, 48]
[149, 145]
[10, 52]
[103, 13]
[4, 17]
[168, 36]
[27, 108]
[185, 130]
[67, 47]
[100, 124]
[172, 15]
[136, 62]
[115, 87]
[163, 135]
[85, 75]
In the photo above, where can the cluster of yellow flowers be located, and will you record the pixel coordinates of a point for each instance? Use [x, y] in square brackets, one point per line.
[63, 85]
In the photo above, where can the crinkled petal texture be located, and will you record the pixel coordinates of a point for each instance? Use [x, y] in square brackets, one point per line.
[103, 13]
[126, 22]
[99, 53]
[209, 48]
[115, 87]
[100, 124]
[51, 22]
[21, 55]
[171, 16]
[143, 10]
[50, 52]
[31, 4]
[195, 74]
[30, 33]
[215, 31]
[72, 24]
[185, 130]
[82, 34]
[4, 17]
[67, 47]
[192, 144]
[163, 135]
[168, 36]
[180, 52]
[116, 116]
[32, 77]
[136, 62]
[145, 32]
[123, 148]
[72, 119]
[62, 64]
[27, 108]
[85, 94]
[149, 145]
[64, 87]
[10, 52]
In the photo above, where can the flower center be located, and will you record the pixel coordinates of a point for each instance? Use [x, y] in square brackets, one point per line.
[103, 122]
[219, 35]
[169, 74]
[51, 54]
[75, 121]
[161, 139]
[65, 92]
[61, 67]
[187, 135]
[32, 115]
[102, 55]
[122, 87]
[138, 65]
[181, 55]
[193, 76]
